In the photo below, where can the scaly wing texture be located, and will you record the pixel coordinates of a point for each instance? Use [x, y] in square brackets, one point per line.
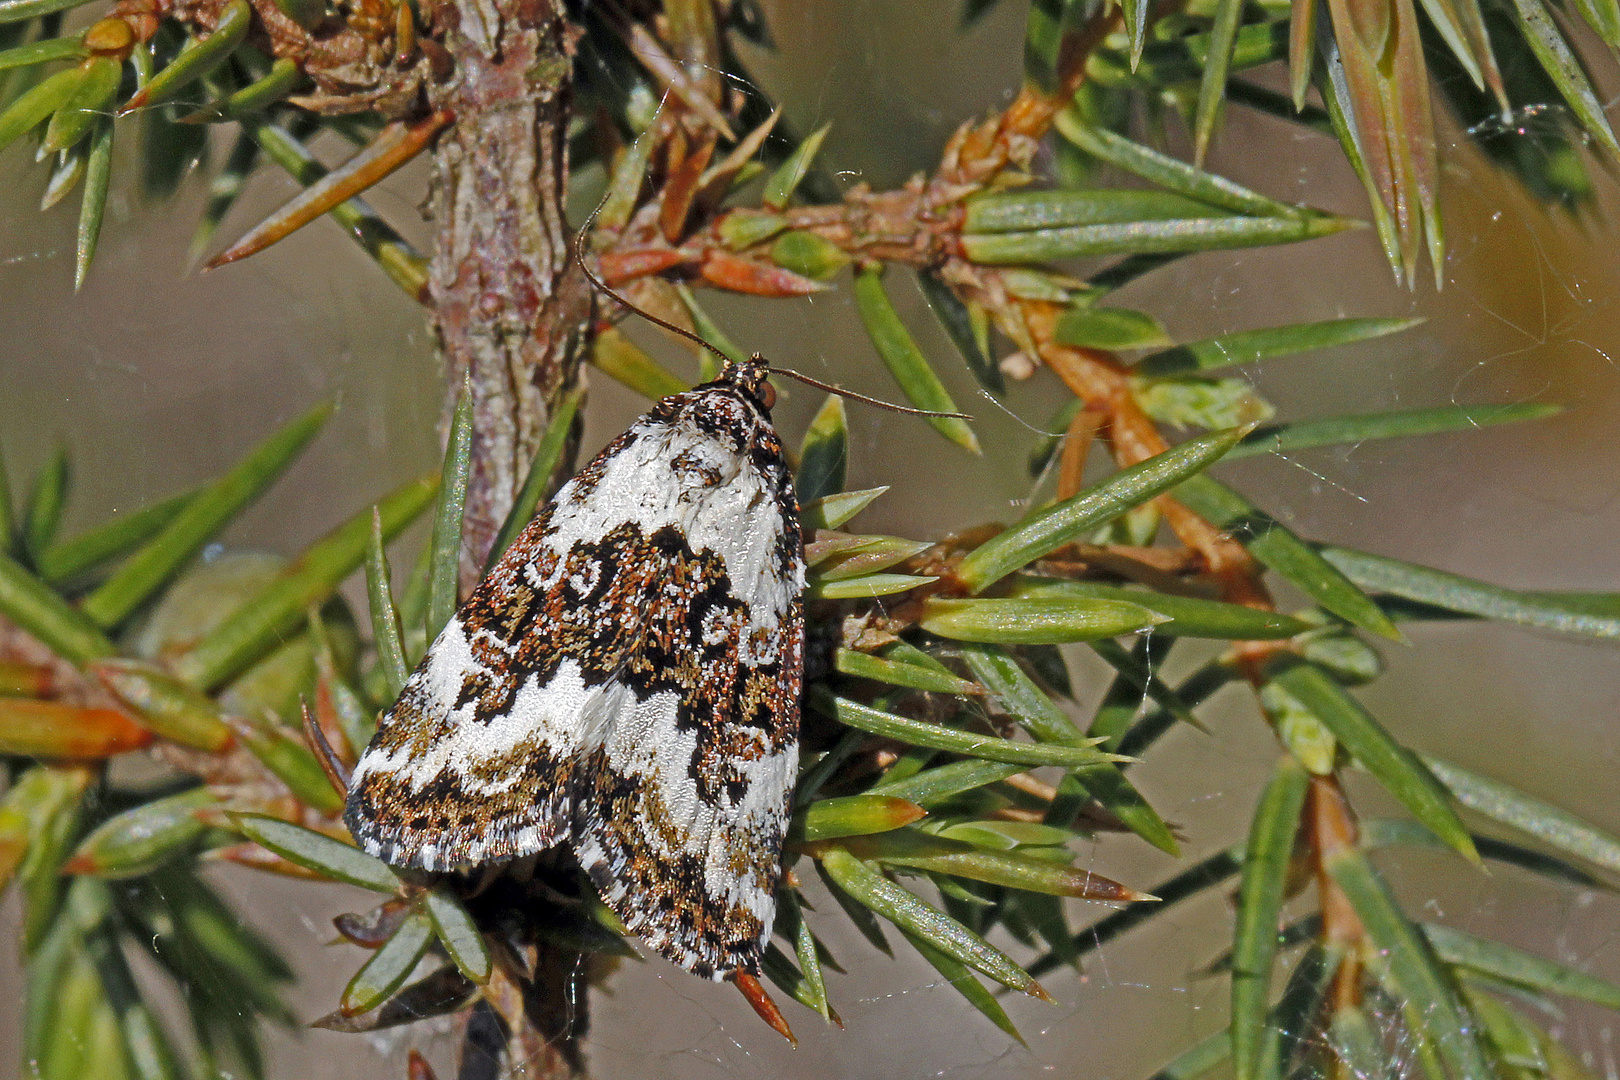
[682, 797]
[473, 763]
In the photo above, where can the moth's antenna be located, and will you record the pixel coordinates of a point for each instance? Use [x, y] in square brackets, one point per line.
[579, 253]
[853, 396]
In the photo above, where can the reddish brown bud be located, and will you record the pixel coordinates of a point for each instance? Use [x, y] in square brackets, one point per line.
[755, 278]
[617, 267]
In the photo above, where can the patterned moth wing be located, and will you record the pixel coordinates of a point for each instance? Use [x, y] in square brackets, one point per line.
[626, 678]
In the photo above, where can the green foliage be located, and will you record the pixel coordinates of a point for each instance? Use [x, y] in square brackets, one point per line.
[905, 360]
[444, 559]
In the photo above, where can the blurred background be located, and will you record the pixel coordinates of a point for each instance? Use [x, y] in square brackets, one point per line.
[157, 378]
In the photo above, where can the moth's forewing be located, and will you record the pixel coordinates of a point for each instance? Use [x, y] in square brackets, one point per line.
[474, 763]
[683, 800]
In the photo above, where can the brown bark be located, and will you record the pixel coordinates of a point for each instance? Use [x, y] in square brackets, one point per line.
[510, 316]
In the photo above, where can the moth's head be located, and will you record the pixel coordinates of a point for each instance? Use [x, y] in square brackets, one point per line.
[752, 378]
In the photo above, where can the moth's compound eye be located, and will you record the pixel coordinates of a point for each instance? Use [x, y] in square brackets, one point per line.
[767, 394]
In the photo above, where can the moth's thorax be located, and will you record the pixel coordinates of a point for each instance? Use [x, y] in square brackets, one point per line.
[752, 377]
[725, 410]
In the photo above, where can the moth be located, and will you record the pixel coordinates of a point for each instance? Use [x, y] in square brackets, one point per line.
[625, 680]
